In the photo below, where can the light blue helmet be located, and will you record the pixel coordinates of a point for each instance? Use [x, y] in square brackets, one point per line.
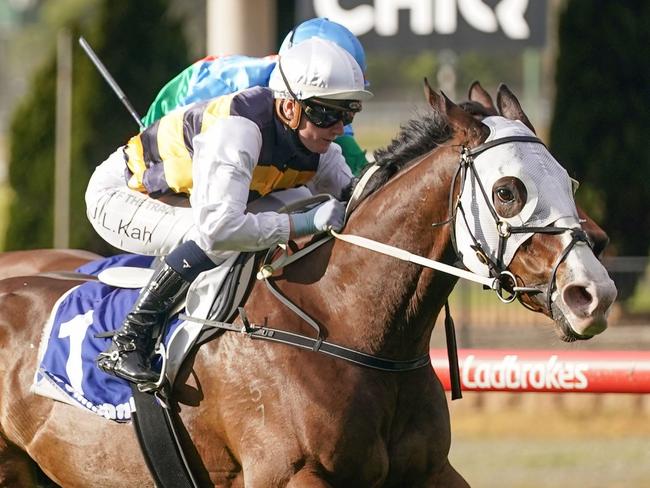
[330, 31]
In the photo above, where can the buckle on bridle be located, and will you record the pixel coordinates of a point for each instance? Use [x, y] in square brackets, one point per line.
[505, 286]
[503, 228]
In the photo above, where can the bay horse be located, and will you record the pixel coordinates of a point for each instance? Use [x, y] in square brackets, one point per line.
[24, 263]
[271, 415]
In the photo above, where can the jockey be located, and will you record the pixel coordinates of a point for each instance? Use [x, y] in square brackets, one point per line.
[228, 154]
[215, 76]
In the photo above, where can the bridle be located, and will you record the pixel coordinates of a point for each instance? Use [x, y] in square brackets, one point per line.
[501, 280]
[498, 269]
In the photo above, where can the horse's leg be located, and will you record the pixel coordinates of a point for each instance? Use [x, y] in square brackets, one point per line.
[16, 468]
[447, 477]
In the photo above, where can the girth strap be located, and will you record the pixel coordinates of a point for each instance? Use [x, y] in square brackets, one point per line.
[67, 275]
[158, 435]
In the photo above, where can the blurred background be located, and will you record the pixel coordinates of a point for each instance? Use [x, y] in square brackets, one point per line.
[580, 68]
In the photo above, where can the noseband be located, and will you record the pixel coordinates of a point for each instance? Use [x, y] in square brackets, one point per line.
[506, 289]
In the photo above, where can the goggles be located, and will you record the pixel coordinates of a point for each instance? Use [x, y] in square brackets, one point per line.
[324, 115]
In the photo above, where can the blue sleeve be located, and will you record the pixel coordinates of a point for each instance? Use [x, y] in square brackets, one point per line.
[225, 75]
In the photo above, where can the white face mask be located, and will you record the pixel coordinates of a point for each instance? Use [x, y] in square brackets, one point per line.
[549, 189]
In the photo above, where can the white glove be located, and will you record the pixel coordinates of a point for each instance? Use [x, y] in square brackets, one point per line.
[328, 215]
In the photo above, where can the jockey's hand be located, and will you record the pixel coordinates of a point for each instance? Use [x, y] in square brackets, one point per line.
[328, 215]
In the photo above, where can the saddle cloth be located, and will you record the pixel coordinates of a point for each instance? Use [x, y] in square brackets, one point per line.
[67, 371]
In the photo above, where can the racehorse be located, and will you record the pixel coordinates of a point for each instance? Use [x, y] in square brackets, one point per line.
[24, 263]
[263, 414]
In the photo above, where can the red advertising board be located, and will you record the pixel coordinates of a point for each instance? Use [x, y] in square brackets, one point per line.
[548, 370]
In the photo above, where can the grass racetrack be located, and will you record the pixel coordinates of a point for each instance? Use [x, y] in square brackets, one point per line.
[537, 440]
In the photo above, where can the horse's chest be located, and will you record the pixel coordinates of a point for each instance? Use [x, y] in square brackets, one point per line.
[421, 434]
[361, 428]
[384, 442]
[370, 450]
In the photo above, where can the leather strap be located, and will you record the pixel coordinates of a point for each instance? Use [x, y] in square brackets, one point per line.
[502, 140]
[304, 342]
[157, 434]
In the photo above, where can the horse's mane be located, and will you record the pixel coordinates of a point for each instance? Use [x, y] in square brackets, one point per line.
[415, 138]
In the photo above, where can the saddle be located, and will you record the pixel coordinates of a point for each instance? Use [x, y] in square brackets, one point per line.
[213, 298]
[84, 318]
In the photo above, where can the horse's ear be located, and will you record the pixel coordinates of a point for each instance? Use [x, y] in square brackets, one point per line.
[457, 117]
[436, 101]
[510, 107]
[460, 119]
[478, 94]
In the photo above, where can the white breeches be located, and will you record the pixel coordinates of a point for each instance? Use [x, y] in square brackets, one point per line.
[133, 222]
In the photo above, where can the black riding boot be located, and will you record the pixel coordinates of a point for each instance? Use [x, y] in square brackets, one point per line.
[129, 355]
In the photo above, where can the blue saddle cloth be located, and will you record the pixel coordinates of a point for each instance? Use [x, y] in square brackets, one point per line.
[68, 361]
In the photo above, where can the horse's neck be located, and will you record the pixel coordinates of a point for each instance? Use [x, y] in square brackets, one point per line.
[398, 301]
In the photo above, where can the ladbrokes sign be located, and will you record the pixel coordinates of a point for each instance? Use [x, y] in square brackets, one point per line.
[569, 371]
[416, 24]
[510, 373]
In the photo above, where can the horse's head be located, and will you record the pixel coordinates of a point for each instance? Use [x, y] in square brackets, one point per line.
[516, 218]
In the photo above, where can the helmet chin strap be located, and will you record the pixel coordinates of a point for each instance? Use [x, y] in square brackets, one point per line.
[297, 104]
[292, 122]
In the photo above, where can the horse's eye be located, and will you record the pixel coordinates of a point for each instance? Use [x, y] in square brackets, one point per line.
[509, 196]
[505, 195]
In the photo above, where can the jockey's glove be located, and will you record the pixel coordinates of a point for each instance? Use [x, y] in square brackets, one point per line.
[328, 215]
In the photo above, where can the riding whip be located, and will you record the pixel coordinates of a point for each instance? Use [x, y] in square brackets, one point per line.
[109, 79]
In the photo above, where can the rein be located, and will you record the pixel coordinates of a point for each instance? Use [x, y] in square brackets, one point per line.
[501, 279]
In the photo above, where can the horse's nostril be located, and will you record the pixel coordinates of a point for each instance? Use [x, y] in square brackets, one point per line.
[578, 299]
